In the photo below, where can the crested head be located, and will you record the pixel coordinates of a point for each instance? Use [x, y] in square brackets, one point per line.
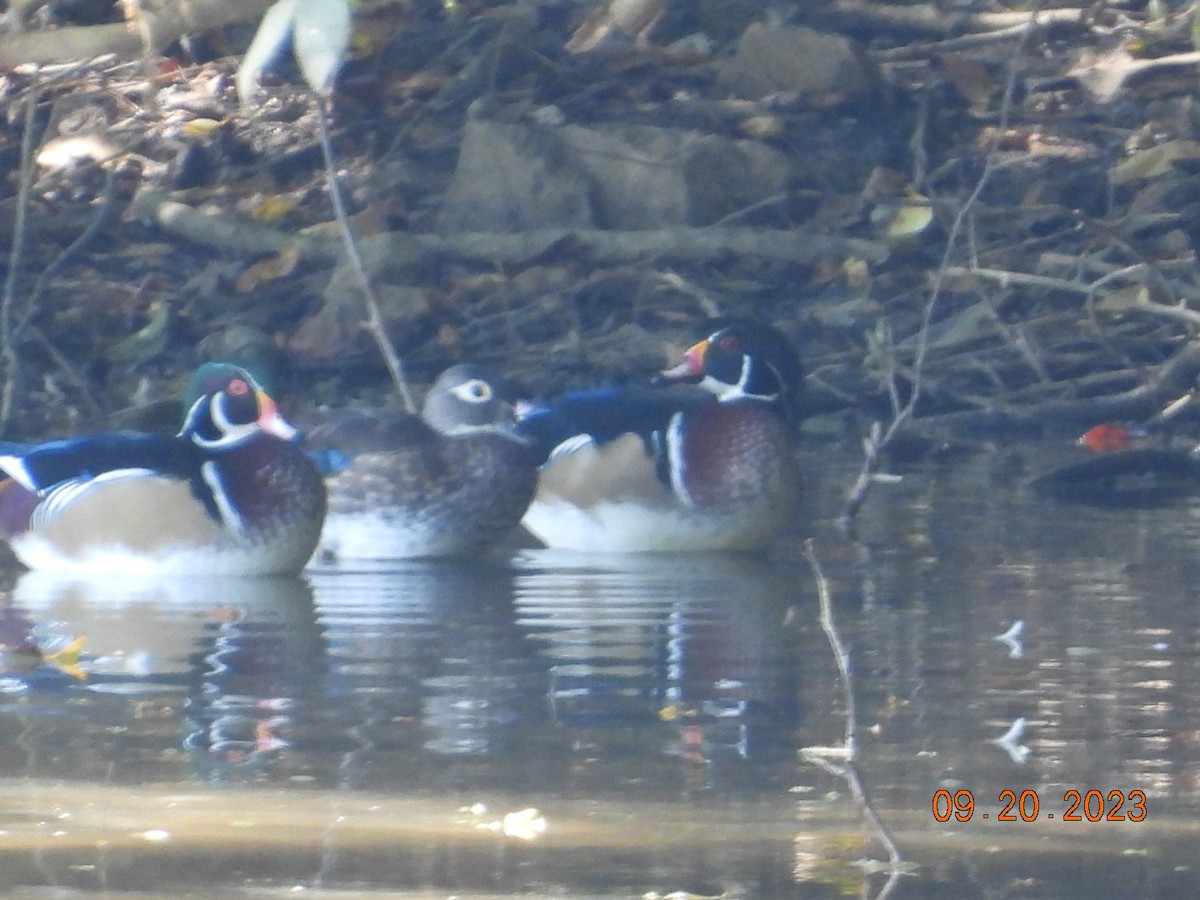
[761, 340]
[741, 358]
[229, 408]
[469, 397]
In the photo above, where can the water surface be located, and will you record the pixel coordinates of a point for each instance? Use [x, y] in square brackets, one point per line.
[569, 726]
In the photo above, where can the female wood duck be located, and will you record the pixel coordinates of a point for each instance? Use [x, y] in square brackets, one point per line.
[669, 471]
[450, 482]
[232, 494]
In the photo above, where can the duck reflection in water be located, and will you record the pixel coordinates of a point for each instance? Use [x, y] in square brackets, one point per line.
[523, 676]
[702, 649]
[244, 653]
[254, 675]
[543, 667]
[426, 662]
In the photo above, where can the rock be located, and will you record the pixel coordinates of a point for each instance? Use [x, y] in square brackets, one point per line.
[515, 177]
[337, 328]
[795, 61]
[623, 177]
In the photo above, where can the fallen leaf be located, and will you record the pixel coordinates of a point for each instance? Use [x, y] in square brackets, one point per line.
[269, 269]
[202, 127]
[273, 207]
[146, 341]
[1154, 161]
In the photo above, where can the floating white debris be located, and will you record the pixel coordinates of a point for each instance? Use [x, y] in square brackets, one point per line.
[525, 824]
[1010, 742]
[1012, 639]
[843, 753]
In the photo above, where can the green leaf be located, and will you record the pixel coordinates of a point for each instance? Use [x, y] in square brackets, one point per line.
[145, 342]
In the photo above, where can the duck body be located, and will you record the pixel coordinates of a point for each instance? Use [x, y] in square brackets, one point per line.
[451, 482]
[685, 474]
[603, 414]
[232, 494]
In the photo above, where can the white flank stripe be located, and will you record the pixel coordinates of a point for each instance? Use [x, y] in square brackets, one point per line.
[229, 515]
[675, 464]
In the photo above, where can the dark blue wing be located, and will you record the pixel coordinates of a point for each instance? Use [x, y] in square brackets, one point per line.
[54, 462]
[79, 459]
[604, 414]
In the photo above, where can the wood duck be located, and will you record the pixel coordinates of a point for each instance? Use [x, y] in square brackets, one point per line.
[233, 493]
[450, 482]
[670, 471]
[601, 414]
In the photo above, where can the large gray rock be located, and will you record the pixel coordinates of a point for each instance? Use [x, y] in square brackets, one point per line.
[527, 175]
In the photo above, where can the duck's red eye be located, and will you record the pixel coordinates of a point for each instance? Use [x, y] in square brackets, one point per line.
[238, 388]
[730, 343]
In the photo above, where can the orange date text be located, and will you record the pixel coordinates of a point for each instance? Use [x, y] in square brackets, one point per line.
[1027, 806]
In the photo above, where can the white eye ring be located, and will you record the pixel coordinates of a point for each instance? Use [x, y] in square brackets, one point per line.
[474, 391]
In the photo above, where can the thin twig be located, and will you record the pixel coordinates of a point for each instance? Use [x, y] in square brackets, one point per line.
[60, 359]
[1137, 273]
[103, 212]
[956, 227]
[874, 445]
[374, 321]
[840, 761]
[17, 331]
[840, 655]
[8, 346]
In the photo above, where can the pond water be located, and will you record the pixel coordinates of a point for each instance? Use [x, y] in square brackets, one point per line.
[551, 725]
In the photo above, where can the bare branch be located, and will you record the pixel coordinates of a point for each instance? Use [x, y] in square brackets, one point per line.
[156, 28]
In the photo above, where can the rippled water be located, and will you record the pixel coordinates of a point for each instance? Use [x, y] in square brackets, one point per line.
[559, 725]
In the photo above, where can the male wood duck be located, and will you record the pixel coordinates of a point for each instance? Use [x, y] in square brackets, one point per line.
[233, 493]
[450, 482]
[671, 471]
[600, 414]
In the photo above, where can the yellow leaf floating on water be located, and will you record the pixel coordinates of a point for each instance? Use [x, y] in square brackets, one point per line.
[66, 659]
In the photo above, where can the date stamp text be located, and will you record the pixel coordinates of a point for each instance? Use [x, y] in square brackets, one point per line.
[1027, 806]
